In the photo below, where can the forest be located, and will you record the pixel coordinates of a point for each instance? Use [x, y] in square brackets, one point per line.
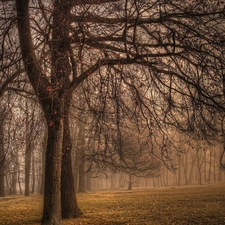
[109, 94]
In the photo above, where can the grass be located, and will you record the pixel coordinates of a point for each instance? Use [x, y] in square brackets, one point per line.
[184, 205]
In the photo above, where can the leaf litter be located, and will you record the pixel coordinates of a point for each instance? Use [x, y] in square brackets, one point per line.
[188, 205]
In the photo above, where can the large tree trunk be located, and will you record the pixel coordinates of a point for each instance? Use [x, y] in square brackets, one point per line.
[69, 205]
[52, 189]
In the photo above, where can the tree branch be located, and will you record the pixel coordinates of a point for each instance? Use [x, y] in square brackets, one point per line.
[37, 78]
[9, 80]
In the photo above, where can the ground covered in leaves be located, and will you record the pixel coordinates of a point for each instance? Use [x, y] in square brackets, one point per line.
[173, 205]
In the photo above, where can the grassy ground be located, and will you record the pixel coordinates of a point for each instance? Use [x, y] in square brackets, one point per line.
[183, 205]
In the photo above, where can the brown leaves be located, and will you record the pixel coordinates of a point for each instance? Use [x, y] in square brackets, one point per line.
[183, 205]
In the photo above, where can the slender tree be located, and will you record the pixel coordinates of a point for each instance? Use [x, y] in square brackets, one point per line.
[2, 158]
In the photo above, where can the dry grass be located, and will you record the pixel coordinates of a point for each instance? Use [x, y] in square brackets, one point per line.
[184, 205]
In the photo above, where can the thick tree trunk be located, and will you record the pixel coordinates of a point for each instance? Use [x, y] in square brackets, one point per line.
[52, 189]
[69, 205]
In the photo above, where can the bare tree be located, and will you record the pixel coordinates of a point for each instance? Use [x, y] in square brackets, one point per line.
[151, 60]
[2, 157]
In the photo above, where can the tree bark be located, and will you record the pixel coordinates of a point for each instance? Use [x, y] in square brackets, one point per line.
[33, 174]
[27, 169]
[28, 150]
[69, 205]
[51, 94]
[43, 154]
[80, 150]
[2, 182]
[2, 162]
[52, 187]
[27, 159]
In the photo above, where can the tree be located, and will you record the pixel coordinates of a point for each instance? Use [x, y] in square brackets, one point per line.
[54, 96]
[29, 147]
[2, 158]
[81, 153]
[147, 52]
[137, 159]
